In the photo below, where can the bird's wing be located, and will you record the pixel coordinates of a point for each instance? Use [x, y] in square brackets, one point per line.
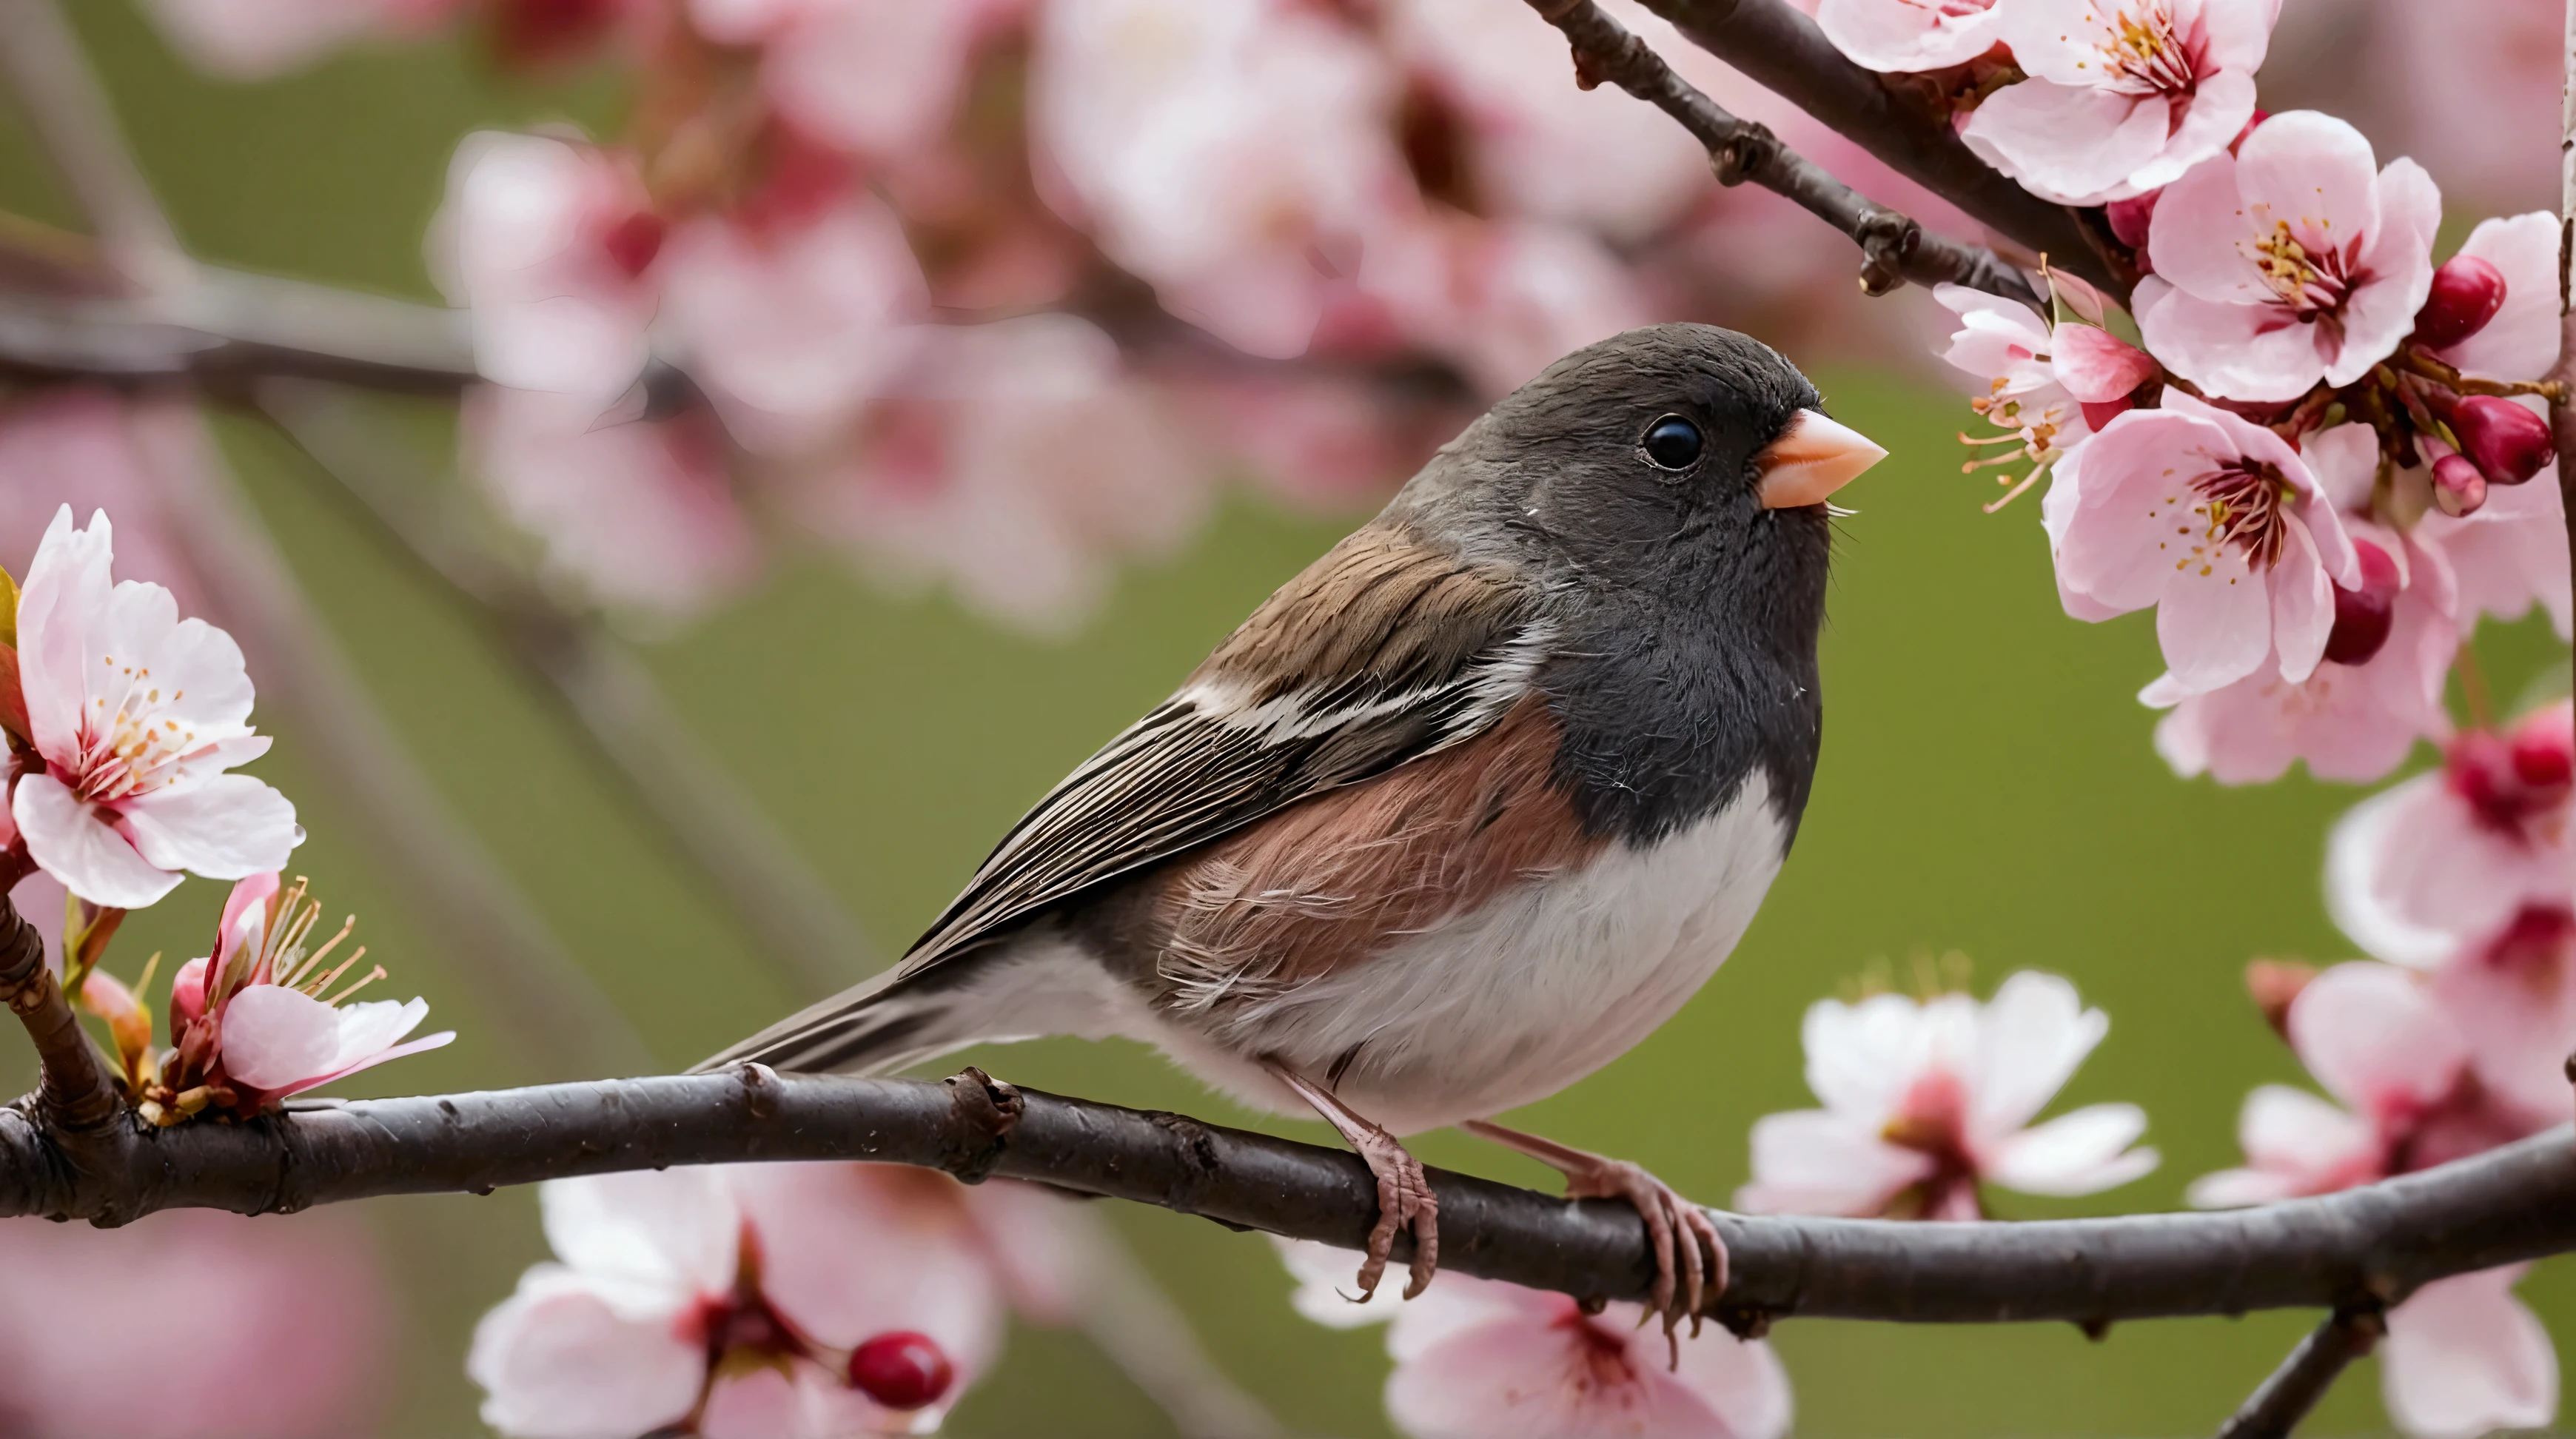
[1382, 651]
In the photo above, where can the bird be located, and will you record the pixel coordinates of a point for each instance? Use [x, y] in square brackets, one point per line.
[1460, 814]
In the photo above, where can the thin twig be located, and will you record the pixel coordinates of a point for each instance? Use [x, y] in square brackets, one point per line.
[1895, 247]
[2293, 1389]
[74, 1095]
[796, 924]
[71, 113]
[2360, 1246]
[557, 1015]
[1785, 52]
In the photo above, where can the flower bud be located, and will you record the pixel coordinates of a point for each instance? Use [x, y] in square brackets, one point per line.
[2467, 292]
[2457, 486]
[632, 243]
[2508, 443]
[2511, 779]
[2129, 221]
[902, 1370]
[2544, 754]
[2362, 615]
[188, 992]
[2274, 983]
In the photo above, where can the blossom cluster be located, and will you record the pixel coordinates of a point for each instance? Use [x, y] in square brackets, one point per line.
[987, 294]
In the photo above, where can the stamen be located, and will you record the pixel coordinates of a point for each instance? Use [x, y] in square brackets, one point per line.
[373, 975]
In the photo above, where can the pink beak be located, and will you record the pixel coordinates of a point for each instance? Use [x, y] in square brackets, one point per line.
[1812, 458]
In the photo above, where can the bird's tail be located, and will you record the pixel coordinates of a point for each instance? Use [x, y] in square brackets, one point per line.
[890, 1022]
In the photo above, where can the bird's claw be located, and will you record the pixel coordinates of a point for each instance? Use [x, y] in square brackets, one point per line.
[1404, 1201]
[1699, 1266]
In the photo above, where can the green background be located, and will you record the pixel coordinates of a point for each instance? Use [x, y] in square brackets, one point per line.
[1987, 787]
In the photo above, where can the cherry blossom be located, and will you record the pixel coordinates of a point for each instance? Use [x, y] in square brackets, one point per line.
[637, 514]
[137, 715]
[2216, 522]
[2122, 99]
[255, 39]
[2519, 340]
[549, 245]
[729, 1301]
[2358, 714]
[1010, 461]
[2462, 1355]
[257, 1021]
[874, 77]
[278, 1327]
[2457, 853]
[1237, 155]
[2291, 261]
[2514, 991]
[2511, 554]
[1903, 35]
[1927, 1099]
[1480, 1359]
[2028, 396]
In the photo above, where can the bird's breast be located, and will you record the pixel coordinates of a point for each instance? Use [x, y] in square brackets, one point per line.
[1503, 1001]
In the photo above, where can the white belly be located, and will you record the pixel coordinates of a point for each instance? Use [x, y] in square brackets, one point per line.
[1486, 1012]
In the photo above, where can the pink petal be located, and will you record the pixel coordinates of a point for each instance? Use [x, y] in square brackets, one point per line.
[558, 1361]
[250, 894]
[230, 827]
[2308, 170]
[2076, 145]
[275, 1036]
[2057, 510]
[2084, 1152]
[2209, 120]
[2398, 256]
[1896, 36]
[2242, 351]
[1862, 1057]
[67, 588]
[2514, 997]
[2464, 1357]
[2373, 1037]
[74, 844]
[2118, 547]
[809, 1402]
[852, 1250]
[2303, 605]
[2521, 342]
[2095, 365]
[2214, 621]
[2031, 1038]
[874, 77]
[1520, 1379]
[649, 1241]
[1811, 1161]
[2345, 460]
[2321, 1146]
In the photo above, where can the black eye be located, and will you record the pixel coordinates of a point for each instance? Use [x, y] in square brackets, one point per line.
[1672, 443]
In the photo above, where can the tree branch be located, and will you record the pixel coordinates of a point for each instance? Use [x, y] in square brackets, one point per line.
[2304, 1377]
[1786, 53]
[2562, 417]
[2363, 1246]
[1897, 249]
[228, 328]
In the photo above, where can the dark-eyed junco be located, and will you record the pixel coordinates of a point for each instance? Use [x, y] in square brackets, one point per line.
[1461, 813]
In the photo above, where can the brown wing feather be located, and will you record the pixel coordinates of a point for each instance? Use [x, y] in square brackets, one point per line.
[1383, 650]
[1333, 880]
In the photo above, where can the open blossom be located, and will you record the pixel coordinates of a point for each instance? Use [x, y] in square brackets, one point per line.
[2463, 1356]
[1012, 461]
[2291, 261]
[873, 77]
[265, 1016]
[137, 715]
[2045, 387]
[1925, 1100]
[1235, 154]
[1481, 1359]
[2456, 854]
[2358, 714]
[1903, 35]
[2124, 96]
[2216, 522]
[752, 1301]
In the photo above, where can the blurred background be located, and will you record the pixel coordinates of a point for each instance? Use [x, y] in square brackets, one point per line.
[1988, 787]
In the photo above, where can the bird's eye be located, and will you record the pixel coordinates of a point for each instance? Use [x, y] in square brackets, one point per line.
[1672, 443]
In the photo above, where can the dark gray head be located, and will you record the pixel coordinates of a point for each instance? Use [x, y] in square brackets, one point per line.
[1666, 488]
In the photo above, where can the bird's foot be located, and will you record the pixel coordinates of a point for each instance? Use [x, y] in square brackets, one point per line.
[1404, 1197]
[1690, 1258]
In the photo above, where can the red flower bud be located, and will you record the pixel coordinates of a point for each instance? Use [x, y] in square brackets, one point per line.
[2508, 443]
[2467, 292]
[902, 1370]
[634, 241]
[2129, 223]
[2362, 615]
[2457, 486]
[2544, 753]
[2274, 984]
